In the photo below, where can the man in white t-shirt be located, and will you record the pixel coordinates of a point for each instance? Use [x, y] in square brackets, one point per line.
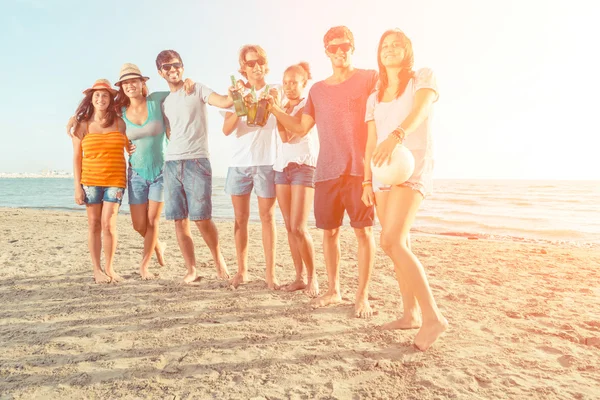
[187, 171]
[254, 151]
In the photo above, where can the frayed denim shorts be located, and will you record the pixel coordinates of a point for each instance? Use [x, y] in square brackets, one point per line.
[98, 194]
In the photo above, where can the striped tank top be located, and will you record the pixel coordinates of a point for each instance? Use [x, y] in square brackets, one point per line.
[103, 162]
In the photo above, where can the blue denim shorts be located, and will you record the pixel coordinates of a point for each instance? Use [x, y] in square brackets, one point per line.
[241, 180]
[188, 189]
[98, 194]
[141, 190]
[296, 174]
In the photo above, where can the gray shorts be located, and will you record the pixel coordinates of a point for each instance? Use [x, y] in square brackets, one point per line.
[241, 180]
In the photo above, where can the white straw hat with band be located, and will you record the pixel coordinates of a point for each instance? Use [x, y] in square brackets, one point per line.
[130, 71]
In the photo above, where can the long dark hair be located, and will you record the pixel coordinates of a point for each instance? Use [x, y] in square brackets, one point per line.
[406, 72]
[85, 110]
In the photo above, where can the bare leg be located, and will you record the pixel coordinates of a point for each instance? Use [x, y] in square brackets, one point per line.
[209, 233]
[266, 211]
[284, 199]
[366, 259]
[150, 238]
[403, 204]
[331, 251]
[241, 210]
[302, 200]
[109, 239]
[94, 214]
[411, 318]
[186, 245]
[141, 214]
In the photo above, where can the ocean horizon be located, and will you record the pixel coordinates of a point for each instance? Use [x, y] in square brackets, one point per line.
[523, 210]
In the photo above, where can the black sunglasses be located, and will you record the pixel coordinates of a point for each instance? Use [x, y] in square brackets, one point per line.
[167, 67]
[252, 63]
[333, 48]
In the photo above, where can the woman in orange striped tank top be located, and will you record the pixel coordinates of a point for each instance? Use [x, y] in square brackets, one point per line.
[99, 168]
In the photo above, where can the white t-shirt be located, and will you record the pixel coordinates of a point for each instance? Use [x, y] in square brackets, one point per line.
[254, 145]
[186, 116]
[389, 115]
[300, 150]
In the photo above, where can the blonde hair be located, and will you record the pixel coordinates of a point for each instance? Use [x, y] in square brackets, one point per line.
[248, 49]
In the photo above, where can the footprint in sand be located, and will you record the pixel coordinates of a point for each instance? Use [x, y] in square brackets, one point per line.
[567, 361]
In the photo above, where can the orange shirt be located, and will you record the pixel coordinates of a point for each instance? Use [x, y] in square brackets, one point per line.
[103, 162]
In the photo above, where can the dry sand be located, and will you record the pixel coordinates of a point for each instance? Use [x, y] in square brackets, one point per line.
[525, 322]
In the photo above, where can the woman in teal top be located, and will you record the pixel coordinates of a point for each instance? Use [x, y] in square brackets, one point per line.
[146, 129]
[143, 116]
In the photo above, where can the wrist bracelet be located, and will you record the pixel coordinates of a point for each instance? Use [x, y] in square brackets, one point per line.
[367, 183]
[398, 134]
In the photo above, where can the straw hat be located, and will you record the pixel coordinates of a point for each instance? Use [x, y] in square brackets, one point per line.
[101, 84]
[130, 71]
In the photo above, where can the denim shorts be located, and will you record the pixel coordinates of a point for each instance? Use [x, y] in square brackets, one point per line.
[188, 189]
[98, 194]
[334, 196]
[241, 180]
[296, 174]
[141, 190]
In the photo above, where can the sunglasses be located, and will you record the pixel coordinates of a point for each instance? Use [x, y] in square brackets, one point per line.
[333, 48]
[252, 63]
[167, 67]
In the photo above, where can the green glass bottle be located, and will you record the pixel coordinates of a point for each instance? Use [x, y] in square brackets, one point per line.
[238, 100]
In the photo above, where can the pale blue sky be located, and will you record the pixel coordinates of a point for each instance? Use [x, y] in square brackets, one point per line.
[518, 79]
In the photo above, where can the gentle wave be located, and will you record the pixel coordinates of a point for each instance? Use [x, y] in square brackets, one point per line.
[515, 210]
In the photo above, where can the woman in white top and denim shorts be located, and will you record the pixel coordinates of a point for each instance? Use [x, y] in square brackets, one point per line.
[295, 181]
[400, 112]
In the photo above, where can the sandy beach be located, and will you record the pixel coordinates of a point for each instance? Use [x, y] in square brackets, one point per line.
[524, 322]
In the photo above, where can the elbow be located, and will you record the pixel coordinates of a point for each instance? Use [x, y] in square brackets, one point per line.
[227, 130]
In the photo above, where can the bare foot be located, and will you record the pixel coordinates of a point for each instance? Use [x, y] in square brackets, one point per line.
[222, 272]
[101, 277]
[238, 279]
[272, 282]
[160, 253]
[327, 299]
[298, 284]
[406, 322]
[429, 333]
[114, 277]
[147, 275]
[362, 309]
[312, 289]
[190, 276]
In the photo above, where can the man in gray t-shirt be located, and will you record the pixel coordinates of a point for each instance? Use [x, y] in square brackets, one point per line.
[337, 106]
[187, 171]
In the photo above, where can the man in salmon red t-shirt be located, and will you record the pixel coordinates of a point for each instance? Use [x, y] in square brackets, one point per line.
[337, 106]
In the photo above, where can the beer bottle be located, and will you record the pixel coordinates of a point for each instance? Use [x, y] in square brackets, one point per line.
[238, 100]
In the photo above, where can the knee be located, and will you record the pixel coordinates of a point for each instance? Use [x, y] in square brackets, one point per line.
[241, 220]
[364, 234]
[139, 227]
[390, 242]
[108, 227]
[298, 231]
[267, 217]
[94, 225]
[331, 234]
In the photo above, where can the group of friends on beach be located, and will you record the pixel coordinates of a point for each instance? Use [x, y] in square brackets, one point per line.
[315, 149]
